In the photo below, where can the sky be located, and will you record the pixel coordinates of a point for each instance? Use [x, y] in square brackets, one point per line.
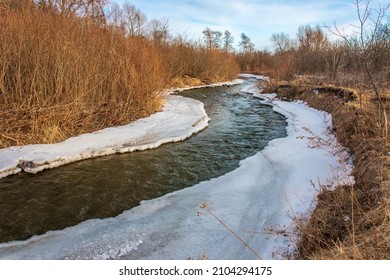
[258, 19]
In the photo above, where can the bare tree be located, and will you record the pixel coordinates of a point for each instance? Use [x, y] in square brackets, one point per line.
[208, 37]
[212, 38]
[336, 58]
[94, 9]
[159, 30]
[64, 7]
[217, 39]
[312, 45]
[246, 43]
[15, 5]
[83, 8]
[181, 38]
[114, 15]
[282, 42]
[228, 41]
[134, 20]
[313, 39]
[365, 42]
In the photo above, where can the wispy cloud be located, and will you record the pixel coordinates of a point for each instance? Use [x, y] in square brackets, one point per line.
[259, 19]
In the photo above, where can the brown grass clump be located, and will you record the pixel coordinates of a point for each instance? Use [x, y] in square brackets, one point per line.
[191, 65]
[353, 221]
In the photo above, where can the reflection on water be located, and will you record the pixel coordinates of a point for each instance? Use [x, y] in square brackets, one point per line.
[104, 187]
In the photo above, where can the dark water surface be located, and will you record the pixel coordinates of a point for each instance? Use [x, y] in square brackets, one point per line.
[104, 187]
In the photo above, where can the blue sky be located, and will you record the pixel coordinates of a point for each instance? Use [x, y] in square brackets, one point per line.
[258, 19]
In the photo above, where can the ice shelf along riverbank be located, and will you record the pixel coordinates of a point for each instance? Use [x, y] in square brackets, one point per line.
[257, 201]
[180, 118]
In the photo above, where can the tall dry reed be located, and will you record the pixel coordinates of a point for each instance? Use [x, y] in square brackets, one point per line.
[62, 75]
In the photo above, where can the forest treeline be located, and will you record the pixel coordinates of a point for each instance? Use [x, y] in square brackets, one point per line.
[311, 52]
[69, 67]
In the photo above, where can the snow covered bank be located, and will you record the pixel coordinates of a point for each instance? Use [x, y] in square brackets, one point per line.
[180, 118]
[261, 196]
[228, 83]
[257, 77]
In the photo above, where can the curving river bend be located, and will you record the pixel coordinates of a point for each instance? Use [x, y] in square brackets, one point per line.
[107, 186]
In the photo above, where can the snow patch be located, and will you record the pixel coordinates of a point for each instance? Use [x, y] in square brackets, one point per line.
[257, 77]
[227, 83]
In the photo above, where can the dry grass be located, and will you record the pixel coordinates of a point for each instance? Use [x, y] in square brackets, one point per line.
[350, 222]
[192, 65]
[61, 76]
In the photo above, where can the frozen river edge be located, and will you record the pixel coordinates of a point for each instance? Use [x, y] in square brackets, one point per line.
[259, 201]
[179, 119]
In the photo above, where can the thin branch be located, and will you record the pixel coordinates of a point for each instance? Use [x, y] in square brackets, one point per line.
[205, 207]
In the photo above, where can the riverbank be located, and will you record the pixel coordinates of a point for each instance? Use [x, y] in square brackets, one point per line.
[179, 119]
[259, 201]
[350, 221]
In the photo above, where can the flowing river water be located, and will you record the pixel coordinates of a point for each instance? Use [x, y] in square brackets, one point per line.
[103, 187]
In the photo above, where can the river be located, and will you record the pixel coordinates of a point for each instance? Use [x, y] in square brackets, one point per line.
[104, 187]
